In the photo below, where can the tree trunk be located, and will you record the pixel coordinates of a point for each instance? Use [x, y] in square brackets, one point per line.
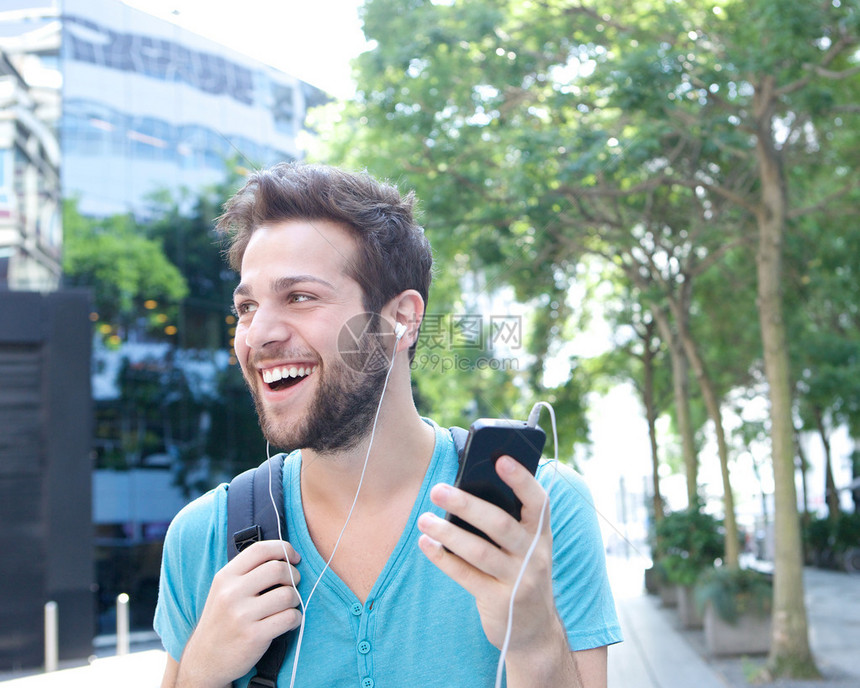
[830, 494]
[681, 390]
[803, 467]
[712, 404]
[855, 473]
[651, 415]
[681, 386]
[790, 654]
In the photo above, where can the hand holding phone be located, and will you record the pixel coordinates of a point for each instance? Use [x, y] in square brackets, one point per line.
[490, 438]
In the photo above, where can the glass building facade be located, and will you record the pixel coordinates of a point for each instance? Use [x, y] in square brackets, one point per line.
[147, 105]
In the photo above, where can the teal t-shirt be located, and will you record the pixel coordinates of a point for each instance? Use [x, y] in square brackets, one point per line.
[417, 627]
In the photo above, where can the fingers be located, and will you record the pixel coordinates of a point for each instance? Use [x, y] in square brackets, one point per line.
[469, 558]
[497, 576]
[270, 574]
[257, 553]
[262, 577]
[281, 622]
[525, 486]
[278, 607]
[251, 601]
[511, 535]
[465, 557]
[452, 566]
[486, 517]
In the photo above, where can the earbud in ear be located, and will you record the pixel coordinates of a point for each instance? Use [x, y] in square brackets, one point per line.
[399, 330]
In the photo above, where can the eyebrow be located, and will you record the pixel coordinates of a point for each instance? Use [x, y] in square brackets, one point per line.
[282, 284]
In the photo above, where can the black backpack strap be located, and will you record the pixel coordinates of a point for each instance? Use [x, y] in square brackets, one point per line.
[251, 517]
[460, 436]
[269, 664]
[249, 506]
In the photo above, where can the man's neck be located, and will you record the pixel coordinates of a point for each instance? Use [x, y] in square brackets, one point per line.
[400, 452]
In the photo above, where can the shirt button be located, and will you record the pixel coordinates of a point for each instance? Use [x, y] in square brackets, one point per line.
[367, 682]
[364, 647]
[356, 609]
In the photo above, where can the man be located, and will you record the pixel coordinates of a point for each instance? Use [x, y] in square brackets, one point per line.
[408, 599]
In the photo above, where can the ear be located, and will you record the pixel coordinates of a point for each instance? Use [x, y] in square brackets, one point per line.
[406, 309]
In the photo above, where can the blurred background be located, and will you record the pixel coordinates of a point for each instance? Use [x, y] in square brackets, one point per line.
[645, 213]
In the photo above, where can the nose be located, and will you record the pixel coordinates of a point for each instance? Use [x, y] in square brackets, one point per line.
[267, 326]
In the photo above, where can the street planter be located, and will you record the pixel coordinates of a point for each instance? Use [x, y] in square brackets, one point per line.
[736, 606]
[690, 542]
[748, 635]
[652, 580]
[668, 595]
[688, 613]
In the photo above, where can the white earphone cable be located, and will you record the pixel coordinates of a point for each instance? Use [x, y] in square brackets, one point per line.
[532, 421]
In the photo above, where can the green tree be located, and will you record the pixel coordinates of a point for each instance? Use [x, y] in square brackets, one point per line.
[538, 124]
[126, 271]
[183, 223]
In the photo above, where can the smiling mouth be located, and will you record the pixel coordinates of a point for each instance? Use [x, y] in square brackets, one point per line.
[286, 376]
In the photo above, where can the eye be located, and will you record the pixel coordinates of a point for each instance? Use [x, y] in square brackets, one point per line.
[301, 298]
[244, 307]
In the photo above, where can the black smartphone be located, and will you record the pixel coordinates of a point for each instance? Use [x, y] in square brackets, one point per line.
[490, 438]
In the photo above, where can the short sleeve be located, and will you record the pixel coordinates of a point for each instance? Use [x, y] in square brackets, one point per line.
[580, 581]
[194, 549]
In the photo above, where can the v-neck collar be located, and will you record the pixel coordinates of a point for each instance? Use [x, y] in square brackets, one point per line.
[312, 563]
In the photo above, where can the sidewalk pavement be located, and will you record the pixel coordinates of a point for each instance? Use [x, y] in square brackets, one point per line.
[135, 670]
[653, 654]
[656, 652]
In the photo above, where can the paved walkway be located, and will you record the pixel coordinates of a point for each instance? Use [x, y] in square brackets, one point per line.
[653, 654]
[656, 652]
[833, 601]
[135, 670]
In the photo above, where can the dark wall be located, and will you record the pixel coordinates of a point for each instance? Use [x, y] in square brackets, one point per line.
[46, 541]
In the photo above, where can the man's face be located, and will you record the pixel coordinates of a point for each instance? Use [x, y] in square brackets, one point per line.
[293, 301]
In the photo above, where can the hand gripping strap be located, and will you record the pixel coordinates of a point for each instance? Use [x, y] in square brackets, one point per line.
[250, 512]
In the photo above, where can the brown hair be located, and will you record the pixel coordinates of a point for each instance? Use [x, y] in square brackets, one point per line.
[393, 253]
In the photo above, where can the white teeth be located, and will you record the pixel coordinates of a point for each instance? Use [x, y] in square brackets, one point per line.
[275, 374]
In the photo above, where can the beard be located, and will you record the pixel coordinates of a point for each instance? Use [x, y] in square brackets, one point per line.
[342, 411]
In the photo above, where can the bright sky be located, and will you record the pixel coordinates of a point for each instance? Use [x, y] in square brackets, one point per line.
[313, 40]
